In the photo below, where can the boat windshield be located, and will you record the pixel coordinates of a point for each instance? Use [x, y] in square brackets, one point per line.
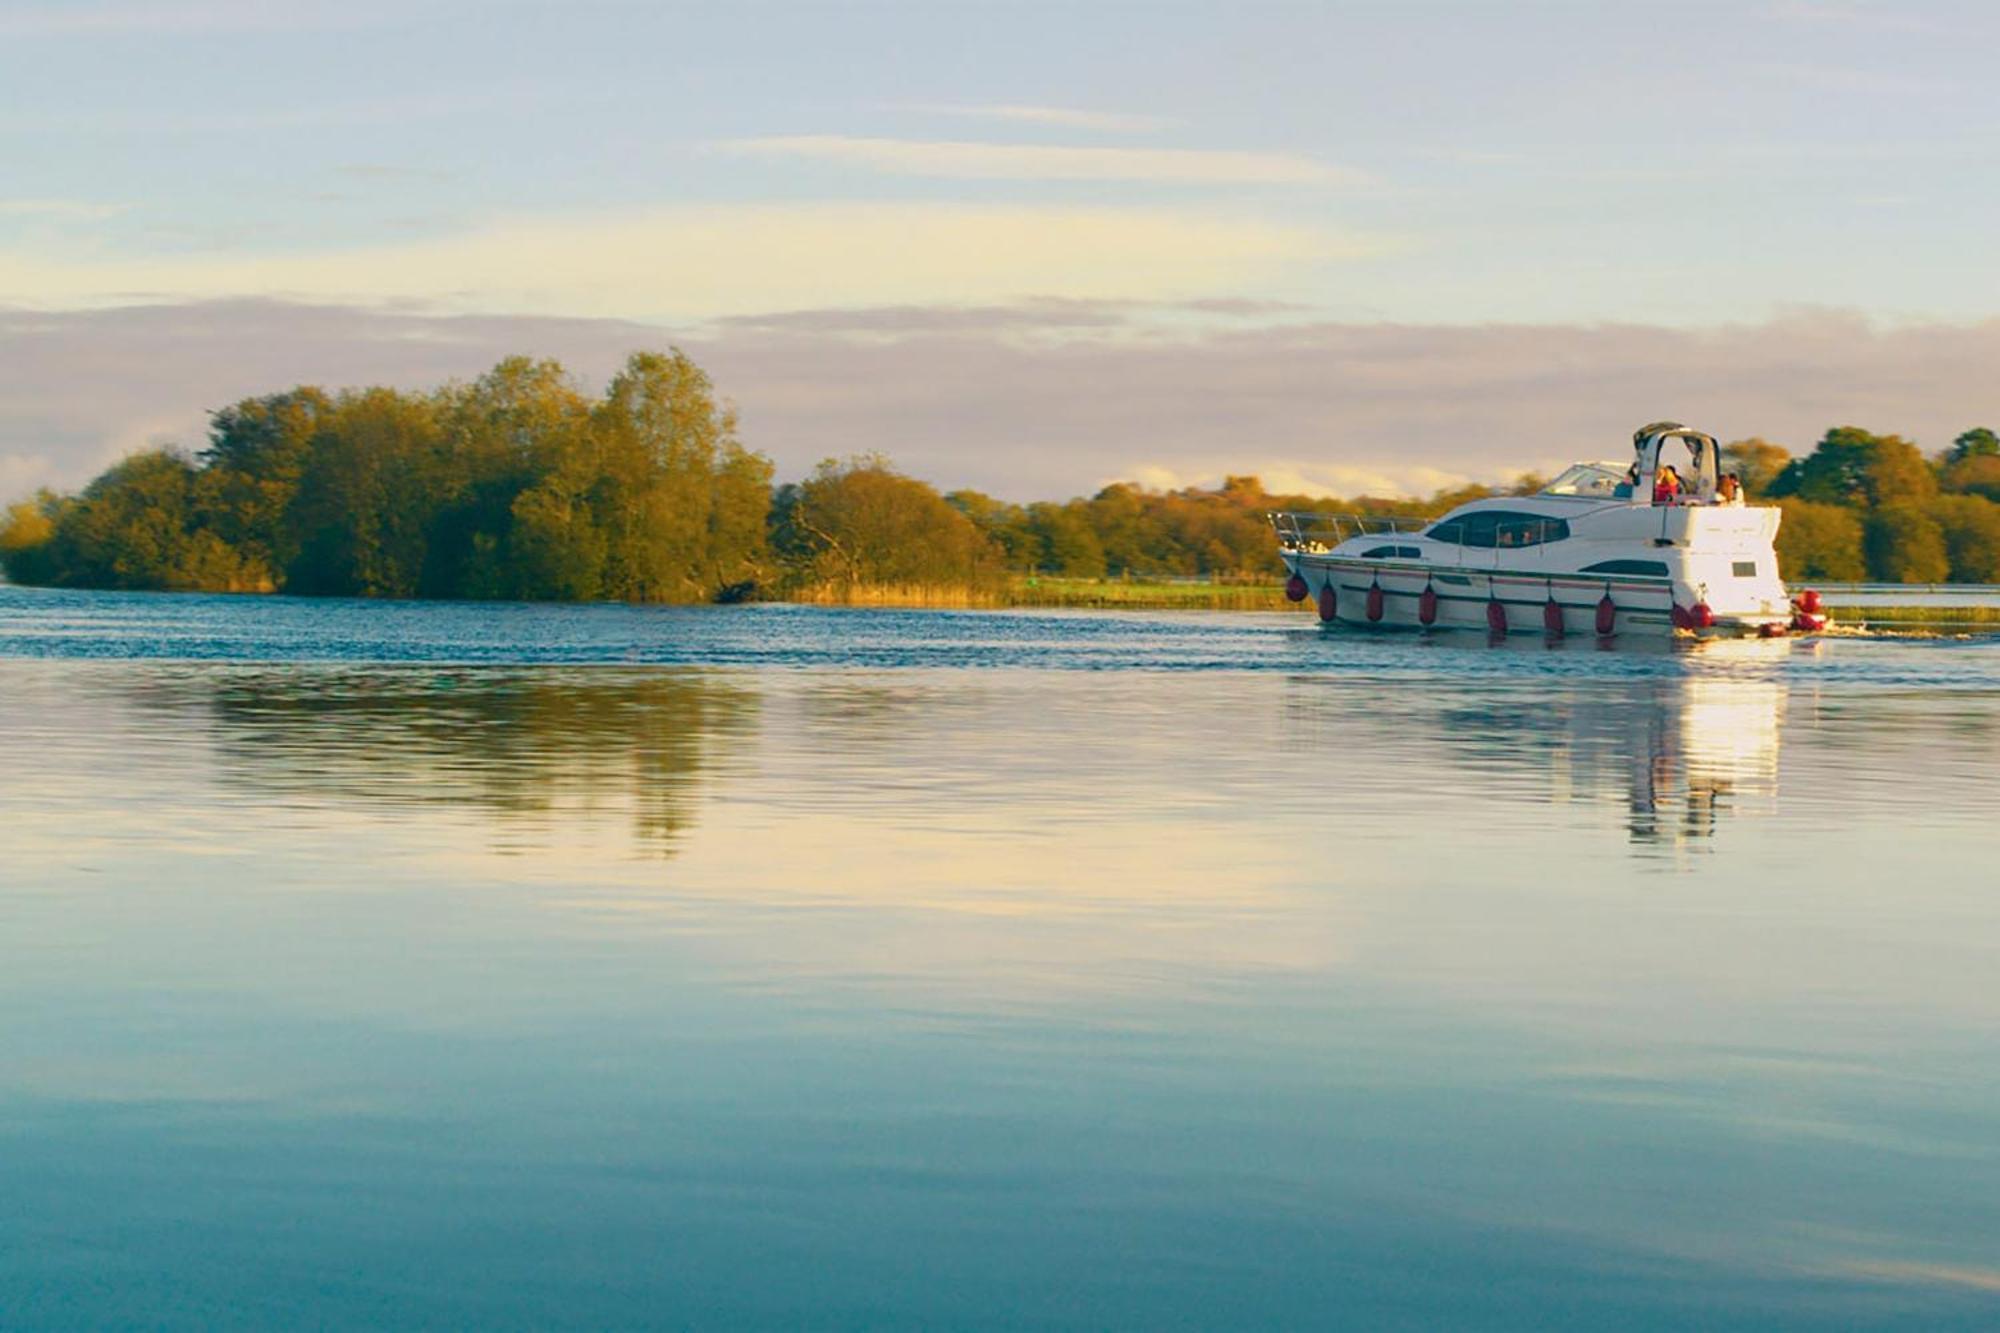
[1586, 479]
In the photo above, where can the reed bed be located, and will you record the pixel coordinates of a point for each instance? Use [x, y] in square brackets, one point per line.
[1145, 595]
[1082, 594]
[1917, 615]
[914, 596]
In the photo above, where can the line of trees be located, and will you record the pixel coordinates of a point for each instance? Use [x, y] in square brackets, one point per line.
[518, 485]
[1867, 506]
[512, 486]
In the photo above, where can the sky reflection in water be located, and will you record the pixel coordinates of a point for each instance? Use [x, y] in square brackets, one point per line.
[1395, 981]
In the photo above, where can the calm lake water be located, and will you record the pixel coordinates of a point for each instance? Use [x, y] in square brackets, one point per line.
[494, 966]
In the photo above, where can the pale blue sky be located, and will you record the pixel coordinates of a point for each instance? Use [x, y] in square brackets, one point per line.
[1684, 166]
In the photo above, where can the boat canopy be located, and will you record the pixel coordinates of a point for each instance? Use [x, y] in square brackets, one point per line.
[1694, 456]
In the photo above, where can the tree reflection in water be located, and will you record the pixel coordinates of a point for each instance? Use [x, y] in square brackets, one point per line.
[532, 746]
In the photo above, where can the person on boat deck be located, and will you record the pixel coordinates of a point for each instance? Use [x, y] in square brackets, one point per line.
[1623, 490]
[1731, 490]
[1667, 486]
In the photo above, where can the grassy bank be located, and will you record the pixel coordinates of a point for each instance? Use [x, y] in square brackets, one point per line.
[1148, 596]
[1140, 595]
[1916, 615]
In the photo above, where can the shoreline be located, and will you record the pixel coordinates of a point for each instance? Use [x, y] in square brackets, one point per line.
[1046, 593]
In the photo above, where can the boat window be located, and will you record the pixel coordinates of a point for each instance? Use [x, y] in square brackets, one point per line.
[1586, 479]
[1655, 568]
[1745, 569]
[1451, 530]
[1391, 553]
[1500, 527]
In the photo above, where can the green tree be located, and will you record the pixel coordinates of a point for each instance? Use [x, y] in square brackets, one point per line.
[1971, 527]
[27, 532]
[1756, 463]
[1132, 540]
[682, 503]
[360, 521]
[250, 470]
[1979, 442]
[133, 528]
[1064, 541]
[1973, 474]
[739, 557]
[1005, 525]
[1906, 545]
[1820, 541]
[861, 522]
[503, 434]
[1853, 466]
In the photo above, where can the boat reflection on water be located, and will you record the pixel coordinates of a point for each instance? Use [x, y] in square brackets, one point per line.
[1709, 743]
[1691, 736]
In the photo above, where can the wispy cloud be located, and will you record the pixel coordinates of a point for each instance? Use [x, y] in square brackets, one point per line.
[686, 263]
[1962, 1276]
[376, 171]
[958, 160]
[59, 210]
[169, 16]
[1874, 17]
[1295, 476]
[1855, 80]
[1109, 122]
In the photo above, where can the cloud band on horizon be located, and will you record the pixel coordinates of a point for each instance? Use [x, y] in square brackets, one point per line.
[981, 398]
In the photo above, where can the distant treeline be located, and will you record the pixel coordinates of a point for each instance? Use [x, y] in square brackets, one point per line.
[1867, 506]
[517, 485]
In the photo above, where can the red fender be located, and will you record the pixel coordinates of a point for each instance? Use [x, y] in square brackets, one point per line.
[1496, 617]
[1427, 605]
[1683, 618]
[1702, 616]
[1374, 601]
[1295, 588]
[1329, 601]
[1607, 615]
[1552, 618]
[1809, 601]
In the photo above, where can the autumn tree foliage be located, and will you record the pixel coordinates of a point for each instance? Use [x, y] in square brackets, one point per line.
[859, 522]
[1756, 463]
[1863, 505]
[518, 484]
[515, 485]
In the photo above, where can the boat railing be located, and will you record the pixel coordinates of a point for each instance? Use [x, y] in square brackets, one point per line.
[1301, 531]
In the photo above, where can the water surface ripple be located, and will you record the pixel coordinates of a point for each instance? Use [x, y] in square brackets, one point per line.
[454, 965]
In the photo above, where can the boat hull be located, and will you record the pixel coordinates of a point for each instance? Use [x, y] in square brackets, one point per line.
[1467, 598]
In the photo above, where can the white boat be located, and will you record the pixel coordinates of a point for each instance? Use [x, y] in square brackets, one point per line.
[1596, 551]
